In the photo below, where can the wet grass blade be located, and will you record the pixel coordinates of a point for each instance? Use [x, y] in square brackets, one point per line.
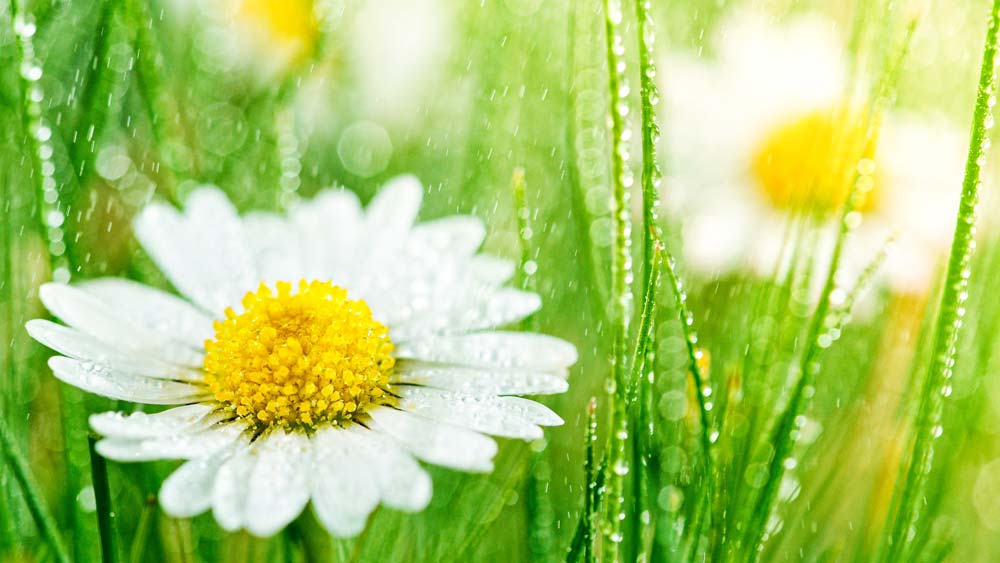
[910, 491]
[581, 547]
[621, 276]
[36, 505]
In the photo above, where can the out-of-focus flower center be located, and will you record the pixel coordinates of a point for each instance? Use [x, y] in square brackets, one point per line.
[809, 164]
[299, 359]
[291, 24]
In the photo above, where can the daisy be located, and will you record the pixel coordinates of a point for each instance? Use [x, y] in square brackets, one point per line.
[313, 358]
[268, 38]
[763, 135]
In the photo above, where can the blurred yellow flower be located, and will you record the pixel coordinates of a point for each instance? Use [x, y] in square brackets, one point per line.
[286, 28]
[769, 132]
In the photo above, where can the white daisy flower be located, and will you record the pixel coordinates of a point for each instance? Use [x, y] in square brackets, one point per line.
[326, 389]
[764, 133]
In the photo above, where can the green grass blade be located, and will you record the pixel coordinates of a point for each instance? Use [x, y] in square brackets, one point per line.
[944, 354]
[36, 505]
[621, 275]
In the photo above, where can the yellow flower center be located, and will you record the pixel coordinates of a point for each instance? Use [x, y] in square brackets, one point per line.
[291, 23]
[810, 164]
[299, 359]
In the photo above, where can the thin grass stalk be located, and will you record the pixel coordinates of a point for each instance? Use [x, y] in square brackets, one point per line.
[621, 275]
[638, 390]
[8, 521]
[822, 329]
[94, 97]
[703, 390]
[538, 504]
[137, 551]
[102, 497]
[19, 466]
[927, 428]
[582, 546]
[578, 208]
[149, 68]
[652, 237]
[50, 212]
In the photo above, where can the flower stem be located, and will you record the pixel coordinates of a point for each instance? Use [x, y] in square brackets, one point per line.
[102, 496]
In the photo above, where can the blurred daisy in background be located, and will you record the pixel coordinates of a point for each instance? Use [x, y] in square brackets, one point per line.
[765, 136]
[313, 357]
[271, 36]
[400, 50]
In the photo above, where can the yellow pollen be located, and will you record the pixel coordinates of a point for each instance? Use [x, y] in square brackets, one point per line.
[299, 360]
[809, 164]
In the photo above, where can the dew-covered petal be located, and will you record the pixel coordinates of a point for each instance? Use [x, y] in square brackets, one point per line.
[187, 491]
[328, 228]
[80, 346]
[392, 212]
[513, 350]
[90, 315]
[184, 445]
[232, 489]
[274, 245]
[458, 234]
[146, 425]
[482, 413]
[279, 482]
[435, 442]
[344, 491]
[106, 381]
[402, 483]
[481, 381]
[492, 309]
[151, 308]
[202, 251]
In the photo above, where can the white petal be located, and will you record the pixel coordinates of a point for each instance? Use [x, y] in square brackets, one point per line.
[481, 381]
[487, 414]
[434, 442]
[202, 252]
[146, 425]
[459, 234]
[531, 410]
[493, 309]
[328, 227]
[156, 310]
[92, 316]
[187, 491]
[491, 269]
[106, 381]
[274, 245]
[393, 210]
[344, 491]
[514, 350]
[185, 445]
[402, 483]
[80, 346]
[232, 489]
[279, 482]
